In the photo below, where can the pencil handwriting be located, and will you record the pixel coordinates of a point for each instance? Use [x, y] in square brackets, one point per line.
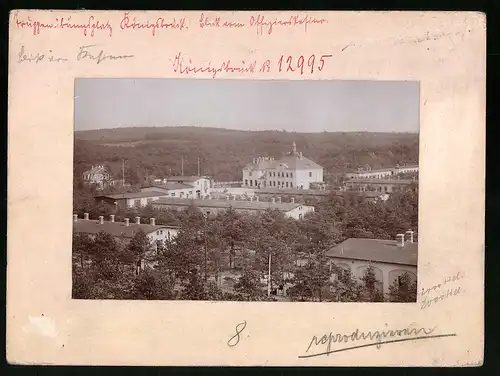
[37, 57]
[87, 52]
[235, 339]
[370, 338]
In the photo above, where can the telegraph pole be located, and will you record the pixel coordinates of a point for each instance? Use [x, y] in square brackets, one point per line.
[182, 166]
[123, 172]
[269, 277]
[198, 166]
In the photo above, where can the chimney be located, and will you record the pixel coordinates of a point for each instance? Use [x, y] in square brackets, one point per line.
[273, 200]
[409, 233]
[127, 221]
[101, 219]
[257, 198]
[112, 218]
[137, 220]
[292, 200]
[251, 198]
[75, 217]
[279, 199]
[400, 240]
[86, 216]
[152, 221]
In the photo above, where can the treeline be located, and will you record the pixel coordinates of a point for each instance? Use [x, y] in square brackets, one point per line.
[105, 269]
[223, 153]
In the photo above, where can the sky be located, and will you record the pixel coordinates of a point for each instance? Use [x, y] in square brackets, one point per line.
[292, 105]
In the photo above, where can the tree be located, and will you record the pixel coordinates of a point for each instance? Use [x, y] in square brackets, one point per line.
[310, 280]
[194, 289]
[138, 248]
[346, 288]
[403, 289]
[249, 286]
[371, 291]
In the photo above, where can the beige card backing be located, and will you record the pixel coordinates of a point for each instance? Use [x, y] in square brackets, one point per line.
[445, 52]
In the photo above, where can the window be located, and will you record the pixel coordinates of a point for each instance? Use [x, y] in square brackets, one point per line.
[172, 194]
[385, 189]
[158, 232]
[291, 175]
[137, 203]
[246, 181]
[300, 216]
[291, 185]
[287, 184]
[255, 182]
[251, 183]
[270, 174]
[161, 232]
[287, 174]
[274, 183]
[250, 173]
[310, 174]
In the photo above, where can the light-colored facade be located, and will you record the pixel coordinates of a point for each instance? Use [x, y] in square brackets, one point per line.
[390, 259]
[97, 175]
[201, 184]
[180, 190]
[211, 207]
[290, 171]
[124, 231]
[380, 185]
[383, 173]
[131, 200]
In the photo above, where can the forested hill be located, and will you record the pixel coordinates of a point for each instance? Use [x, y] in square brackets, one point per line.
[222, 152]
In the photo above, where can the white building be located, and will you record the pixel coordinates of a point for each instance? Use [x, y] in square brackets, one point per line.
[201, 184]
[131, 199]
[390, 259]
[381, 173]
[209, 206]
[173, 189]
[124, 231]
[97, 175]
[290, 171]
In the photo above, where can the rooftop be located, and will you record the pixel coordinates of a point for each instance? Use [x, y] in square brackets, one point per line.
[127, 195]
[117, 229]
[376, 250]
[184, 178]
[382, 181]
[235, 204]
[95, 170]
[170, 185]
[293, 160]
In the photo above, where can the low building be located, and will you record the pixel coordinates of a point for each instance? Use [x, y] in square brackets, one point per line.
[210, 206]
[382, 173]
[123, 231]
[97, 175]
[173, 189]
[390, 259]
[380, 185]
[288, 194]
[131, 199]
[201, 184]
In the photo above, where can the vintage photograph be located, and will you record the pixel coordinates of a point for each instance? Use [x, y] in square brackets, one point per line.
[245, 190]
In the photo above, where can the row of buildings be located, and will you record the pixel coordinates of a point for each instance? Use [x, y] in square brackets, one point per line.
[390, 259]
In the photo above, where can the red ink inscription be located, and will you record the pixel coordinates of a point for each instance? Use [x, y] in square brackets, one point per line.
[290, 65]
[89, 28]
[266, 67]
[181, 66]
[261, 23]
[216, 22]
[159, 23]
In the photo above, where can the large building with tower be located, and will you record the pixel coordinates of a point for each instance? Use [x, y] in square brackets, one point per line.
[290, 171]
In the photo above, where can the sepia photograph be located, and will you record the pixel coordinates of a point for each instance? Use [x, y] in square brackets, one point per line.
[245, 190]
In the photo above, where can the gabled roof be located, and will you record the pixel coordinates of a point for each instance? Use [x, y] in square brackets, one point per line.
[235, 204]
[291, 161]
[376, 250]
[96, 169]
[121, 196]
[170, 185]
[117, 229]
